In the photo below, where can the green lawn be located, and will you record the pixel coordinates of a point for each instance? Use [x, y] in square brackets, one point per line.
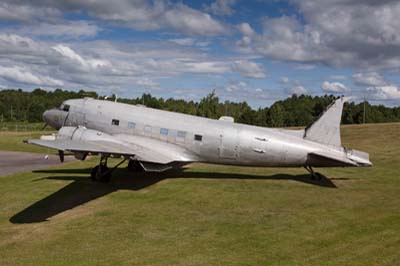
[207, 214]
[13, 141]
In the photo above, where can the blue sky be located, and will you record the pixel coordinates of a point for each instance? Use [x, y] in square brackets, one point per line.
[254, 51]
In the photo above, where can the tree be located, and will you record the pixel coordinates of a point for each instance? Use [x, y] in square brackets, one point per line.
[19, 105]
[276, 115]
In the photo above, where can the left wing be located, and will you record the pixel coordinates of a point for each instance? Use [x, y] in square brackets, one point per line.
[141, 148]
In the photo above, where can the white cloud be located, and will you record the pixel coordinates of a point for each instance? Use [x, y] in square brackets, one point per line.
[104, 65]
[141, 15]
[369, 79]
[248, 34]
[249, 69]
[284, 38]
[190, 42]
[183, 41]
[221, 7]
[338, 77]
[71, 29]
[235, 86]
[192, 22]
[334, 87]
[304, 67]
[70, 54]
[207, 67]
[20, 75]
[389, 92]
[246, 29]
[284, 80]
[341, 33]
[298, 90]
[25, 12]
[147, 83]
[12, 45]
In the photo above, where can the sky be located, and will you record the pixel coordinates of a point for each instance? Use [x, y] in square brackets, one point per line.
[255, 51]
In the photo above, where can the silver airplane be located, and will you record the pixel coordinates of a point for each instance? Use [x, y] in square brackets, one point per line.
[155, 140]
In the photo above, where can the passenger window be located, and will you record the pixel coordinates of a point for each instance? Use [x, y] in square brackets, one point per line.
[147, 129]
[164, 131]
[180, 136]
[198, 137]
[131, 125]
[115, 122]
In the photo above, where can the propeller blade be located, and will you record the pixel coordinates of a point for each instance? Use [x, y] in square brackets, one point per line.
[61, 155]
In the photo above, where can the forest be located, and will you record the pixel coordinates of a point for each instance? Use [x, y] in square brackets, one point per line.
[24, 106]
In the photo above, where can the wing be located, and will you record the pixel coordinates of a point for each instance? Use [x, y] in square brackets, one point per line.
[143, 149]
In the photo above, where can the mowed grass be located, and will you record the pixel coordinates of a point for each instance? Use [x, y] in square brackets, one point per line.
[209, 214]
[13, 141]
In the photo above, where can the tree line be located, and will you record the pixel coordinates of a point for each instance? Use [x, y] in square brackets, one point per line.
[23, 106]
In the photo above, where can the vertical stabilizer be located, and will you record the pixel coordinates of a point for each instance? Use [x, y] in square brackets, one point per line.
[326, 129]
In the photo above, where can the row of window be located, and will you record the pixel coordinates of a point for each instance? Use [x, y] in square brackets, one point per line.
[180, 135]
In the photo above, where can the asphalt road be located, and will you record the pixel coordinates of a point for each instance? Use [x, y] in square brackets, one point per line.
[14, 162]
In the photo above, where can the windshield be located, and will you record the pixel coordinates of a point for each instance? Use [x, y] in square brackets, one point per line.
[64, 107]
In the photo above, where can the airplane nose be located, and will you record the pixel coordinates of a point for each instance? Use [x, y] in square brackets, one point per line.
[46, 116]
[53, 118]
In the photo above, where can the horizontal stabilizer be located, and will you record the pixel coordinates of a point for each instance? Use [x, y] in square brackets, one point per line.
[323, 159]
[326, 129]
[360, 157]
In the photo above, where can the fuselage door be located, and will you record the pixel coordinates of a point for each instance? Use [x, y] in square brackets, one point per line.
[229, 144]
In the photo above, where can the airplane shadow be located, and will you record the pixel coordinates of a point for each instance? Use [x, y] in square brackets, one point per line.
[82, 190]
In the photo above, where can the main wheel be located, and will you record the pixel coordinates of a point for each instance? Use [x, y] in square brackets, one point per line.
[98, 175]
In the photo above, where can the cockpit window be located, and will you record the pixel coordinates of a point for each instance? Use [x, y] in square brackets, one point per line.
[64, 107]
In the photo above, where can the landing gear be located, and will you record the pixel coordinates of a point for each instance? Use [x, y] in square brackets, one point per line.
[314, 175]
[101, 173]
[135, 166]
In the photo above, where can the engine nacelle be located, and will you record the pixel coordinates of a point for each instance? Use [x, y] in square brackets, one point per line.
[83, 134]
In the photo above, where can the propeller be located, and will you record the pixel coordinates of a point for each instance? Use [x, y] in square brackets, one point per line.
[61, 155]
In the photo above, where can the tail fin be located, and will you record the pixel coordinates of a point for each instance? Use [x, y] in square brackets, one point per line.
[326, 129]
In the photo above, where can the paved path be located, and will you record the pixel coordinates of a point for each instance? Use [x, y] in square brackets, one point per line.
[14, 162]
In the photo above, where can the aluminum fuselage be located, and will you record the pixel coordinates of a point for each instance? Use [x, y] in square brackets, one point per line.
[222, 142]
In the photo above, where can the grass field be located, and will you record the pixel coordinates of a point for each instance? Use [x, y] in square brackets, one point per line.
[23, 126]
[13, 141]
[207, 214]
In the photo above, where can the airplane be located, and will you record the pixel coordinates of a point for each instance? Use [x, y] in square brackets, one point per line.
[154, 140]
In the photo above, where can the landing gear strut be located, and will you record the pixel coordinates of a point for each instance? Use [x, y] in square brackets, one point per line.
[135, 166]
[314, 175]
[101, 173]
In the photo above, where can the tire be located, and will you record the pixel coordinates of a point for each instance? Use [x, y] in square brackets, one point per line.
[96, 176]
[93, 174]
